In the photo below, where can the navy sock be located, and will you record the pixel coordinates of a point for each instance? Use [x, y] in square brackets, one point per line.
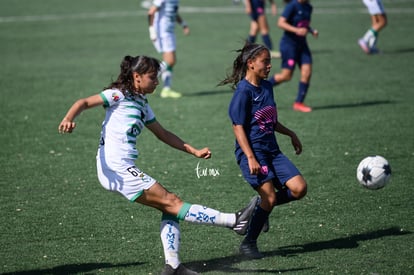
[284, 196]
[259, 218]
[251, 39]
[267, 41]
[303, 90]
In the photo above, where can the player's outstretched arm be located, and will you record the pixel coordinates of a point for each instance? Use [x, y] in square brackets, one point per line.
[174, 141]
[68, 122]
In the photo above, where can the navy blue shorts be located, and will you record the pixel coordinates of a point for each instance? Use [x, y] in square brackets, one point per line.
[275, 167]
[258, 9]
[295, 54]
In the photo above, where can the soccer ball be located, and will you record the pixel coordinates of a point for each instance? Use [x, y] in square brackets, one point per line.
[373, 172]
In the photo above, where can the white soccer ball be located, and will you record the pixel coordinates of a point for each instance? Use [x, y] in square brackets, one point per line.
[373, 172]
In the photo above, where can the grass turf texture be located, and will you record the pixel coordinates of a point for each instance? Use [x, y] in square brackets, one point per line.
[57, 219]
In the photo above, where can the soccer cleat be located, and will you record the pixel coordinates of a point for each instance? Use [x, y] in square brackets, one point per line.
[374, 50]
[364, 46]
[180, 270]
[274, 54]
[167, 92]
[301, 107]
[249, 249]
[244, 216]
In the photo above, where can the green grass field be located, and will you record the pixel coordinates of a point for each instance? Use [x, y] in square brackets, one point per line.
[57, 219]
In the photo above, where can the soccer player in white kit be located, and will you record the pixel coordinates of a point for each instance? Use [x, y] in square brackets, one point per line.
[127, 113]
[378, 22]
[162, 16]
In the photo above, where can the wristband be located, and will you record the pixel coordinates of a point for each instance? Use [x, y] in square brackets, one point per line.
[152, 33]
[184, 24]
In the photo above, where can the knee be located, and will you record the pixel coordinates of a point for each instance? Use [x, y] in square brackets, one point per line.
[300, 191]
[172, 200]
[298, 187]
[268, 202]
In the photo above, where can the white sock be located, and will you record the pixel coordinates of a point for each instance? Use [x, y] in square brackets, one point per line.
[370, 38]
[170, 238]
[166, 74]
[204, 215]
[372, 41]
[367, 36]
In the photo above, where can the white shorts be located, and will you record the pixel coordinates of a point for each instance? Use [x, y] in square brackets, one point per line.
[165, 43]
[374, 7]
[123, 178]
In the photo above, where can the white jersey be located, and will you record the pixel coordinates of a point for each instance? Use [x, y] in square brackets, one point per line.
[126, 116]
[166, 16]
[374, 7]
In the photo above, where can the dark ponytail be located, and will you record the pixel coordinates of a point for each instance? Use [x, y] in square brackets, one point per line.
[248, 52]
[139, 64]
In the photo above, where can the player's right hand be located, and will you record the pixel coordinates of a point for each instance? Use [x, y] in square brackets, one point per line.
[66, 126]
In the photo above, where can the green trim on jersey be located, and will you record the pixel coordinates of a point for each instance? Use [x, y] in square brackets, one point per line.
[106, 103]
[184, 210]
[136, 196]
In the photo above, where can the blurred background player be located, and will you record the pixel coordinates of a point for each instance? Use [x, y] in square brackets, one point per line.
[295, 21]
[378, 22]
[258, 22]
[162, 16]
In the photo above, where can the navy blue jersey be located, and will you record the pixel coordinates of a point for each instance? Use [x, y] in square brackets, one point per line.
[297, 15]
[255, 109]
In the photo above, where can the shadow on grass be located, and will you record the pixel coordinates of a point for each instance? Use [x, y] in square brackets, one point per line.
[340, 243]
[353, 105]
[72, 269]
[224, 264]
[397, 51]
[208, 93]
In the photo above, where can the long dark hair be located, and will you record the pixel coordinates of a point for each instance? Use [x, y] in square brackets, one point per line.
[140, 64]
[248, 52]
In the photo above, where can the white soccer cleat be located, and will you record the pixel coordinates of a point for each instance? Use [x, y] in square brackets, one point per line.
[364, 46]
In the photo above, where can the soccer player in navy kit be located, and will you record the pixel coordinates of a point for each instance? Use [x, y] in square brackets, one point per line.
[257, 12]
[254, 119]
[295, 21]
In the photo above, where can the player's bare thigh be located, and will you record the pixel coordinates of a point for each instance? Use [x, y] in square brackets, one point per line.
[160, 198]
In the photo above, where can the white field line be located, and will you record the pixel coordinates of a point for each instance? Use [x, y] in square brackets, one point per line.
[184, 9]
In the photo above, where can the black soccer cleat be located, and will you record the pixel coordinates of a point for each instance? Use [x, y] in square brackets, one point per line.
[180, 270]
[249, 250]
[244, 216]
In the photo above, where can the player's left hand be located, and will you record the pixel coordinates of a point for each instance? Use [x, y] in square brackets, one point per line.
[297, 145]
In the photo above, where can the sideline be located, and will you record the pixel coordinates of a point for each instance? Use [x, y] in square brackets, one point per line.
[184, 9]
